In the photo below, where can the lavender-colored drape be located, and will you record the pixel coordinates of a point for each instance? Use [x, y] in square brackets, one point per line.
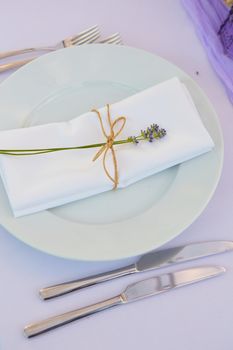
[207, 16]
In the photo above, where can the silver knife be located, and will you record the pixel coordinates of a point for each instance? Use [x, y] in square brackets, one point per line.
[150, 261]
[133, 292]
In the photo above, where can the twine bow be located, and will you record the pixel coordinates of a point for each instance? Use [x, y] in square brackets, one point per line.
[109, 144]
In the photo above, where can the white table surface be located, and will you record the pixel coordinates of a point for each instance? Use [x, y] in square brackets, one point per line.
[195, 317]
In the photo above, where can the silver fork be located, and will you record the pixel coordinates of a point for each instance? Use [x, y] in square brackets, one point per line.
[86, 37]
[112, 39]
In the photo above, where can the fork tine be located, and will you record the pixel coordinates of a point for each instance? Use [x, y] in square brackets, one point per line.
[112, 39]
[83, 32]
[93, 39]
[85, 36]
[88, 39]
[118, 41]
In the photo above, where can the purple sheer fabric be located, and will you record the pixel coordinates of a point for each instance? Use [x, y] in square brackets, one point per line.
[208, 16]
[226, 34]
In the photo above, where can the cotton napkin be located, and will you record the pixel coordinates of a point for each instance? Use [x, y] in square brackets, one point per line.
[38, 182]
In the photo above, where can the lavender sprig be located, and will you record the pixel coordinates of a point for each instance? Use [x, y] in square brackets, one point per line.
[152, 133]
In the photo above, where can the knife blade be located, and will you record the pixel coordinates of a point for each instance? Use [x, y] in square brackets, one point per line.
[163, 258]
[150, 261]
[133, 292]
[167, 281]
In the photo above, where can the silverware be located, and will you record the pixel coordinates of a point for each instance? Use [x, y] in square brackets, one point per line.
[154, 260]
[133, 292]
[112, 39]
[85, 37]
[88, 35]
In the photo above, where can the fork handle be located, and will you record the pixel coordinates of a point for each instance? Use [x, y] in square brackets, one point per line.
[64, 288]
[59, 320]
[20, 52]
[15, 64]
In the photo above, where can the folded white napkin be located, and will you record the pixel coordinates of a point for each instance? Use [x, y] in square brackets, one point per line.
[38, 182]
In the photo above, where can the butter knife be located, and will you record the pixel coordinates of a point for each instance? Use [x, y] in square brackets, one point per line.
[150, 261]
[133, 292]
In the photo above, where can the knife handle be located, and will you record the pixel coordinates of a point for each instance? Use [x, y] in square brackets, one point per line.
[64, 288]
[59, 320]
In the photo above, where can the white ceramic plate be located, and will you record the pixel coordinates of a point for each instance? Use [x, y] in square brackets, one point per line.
[114, 225]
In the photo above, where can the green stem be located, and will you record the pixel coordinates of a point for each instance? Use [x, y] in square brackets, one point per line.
[27, 152]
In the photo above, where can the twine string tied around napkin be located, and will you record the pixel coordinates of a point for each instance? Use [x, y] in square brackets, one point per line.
[108, 146]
